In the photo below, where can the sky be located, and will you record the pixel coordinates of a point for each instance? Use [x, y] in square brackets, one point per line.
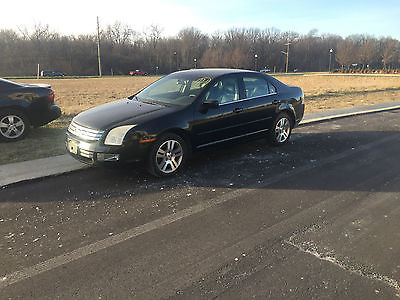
[341, 17]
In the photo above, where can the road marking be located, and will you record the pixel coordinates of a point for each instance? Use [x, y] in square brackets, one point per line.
[95, 247]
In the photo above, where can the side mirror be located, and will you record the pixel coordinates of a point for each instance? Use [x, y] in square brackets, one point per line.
[211, 103]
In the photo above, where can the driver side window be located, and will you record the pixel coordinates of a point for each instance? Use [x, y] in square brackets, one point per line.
[224, 91]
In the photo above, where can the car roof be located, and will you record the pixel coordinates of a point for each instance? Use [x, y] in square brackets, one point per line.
[213, 73]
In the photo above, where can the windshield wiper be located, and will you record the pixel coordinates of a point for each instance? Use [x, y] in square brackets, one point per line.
[147, 101]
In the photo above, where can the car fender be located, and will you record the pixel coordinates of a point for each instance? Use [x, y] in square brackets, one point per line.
[287, 107]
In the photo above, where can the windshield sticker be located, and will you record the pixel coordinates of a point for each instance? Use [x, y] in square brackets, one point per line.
[200, 82]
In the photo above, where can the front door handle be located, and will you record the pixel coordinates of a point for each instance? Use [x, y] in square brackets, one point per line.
[238, 110]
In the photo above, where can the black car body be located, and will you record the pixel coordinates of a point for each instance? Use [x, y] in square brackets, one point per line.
[23, 105]
[191, 109]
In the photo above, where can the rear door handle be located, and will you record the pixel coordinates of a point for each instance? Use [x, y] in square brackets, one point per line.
[238, 110]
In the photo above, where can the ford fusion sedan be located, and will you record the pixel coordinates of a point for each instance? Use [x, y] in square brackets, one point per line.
[184, 112]
[23, 105]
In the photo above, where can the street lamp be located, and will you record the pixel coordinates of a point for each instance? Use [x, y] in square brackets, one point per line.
[330, 59]
[195, 62]
[255, 62]
[176, 60]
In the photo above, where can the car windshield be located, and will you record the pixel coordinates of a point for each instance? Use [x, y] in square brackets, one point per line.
[176, 89]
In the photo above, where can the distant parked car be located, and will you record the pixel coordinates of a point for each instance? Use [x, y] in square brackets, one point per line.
[265, 70]
[185, 112]
[23, 105]
[51, 74]
[138, 73]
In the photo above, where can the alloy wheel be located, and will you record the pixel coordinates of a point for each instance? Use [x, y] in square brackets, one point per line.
[12, 127]
[169, 156]
[282, 130]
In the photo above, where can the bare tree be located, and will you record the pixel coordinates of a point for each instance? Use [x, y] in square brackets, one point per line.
[367, 51]
[390, 51]
[124, 49]
[346, 53]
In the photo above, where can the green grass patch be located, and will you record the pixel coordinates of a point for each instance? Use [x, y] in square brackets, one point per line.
[41, 142]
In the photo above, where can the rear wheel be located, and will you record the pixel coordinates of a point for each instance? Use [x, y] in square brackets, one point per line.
[281, 129]
[167, 156]
[14, 125]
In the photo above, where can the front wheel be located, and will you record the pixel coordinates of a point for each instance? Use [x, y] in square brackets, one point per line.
[281, 130]
[167, 155]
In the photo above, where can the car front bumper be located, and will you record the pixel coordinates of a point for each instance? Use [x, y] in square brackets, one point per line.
[96, 152]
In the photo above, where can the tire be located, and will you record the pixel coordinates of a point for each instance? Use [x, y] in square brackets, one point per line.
[281, 129]
[167, 156]
[14, 125]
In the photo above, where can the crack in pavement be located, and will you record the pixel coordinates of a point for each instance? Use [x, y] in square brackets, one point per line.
[312, 249]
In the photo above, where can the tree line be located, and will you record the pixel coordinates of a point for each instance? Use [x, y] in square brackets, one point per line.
[123, 50]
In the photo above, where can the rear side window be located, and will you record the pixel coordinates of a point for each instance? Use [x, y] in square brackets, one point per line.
[257, 87]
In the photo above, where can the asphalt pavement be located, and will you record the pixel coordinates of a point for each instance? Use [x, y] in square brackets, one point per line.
[44, 167]
[316, 218]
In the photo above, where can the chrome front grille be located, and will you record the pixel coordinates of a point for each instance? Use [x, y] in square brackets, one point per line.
[84, 132]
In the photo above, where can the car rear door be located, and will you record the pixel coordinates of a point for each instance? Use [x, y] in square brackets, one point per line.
[259, 104]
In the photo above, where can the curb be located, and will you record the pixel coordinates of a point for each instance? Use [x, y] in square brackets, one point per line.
[38, 168]
[325, 116]
[57, 165]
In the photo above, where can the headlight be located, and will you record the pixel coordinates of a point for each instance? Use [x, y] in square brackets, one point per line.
[116, 135]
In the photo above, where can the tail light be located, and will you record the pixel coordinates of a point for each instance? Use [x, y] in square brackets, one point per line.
[50, 96]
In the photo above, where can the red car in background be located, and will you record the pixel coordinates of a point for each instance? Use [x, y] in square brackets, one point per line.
[138, 73]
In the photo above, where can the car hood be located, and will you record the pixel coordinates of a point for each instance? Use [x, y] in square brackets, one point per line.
[125, 110]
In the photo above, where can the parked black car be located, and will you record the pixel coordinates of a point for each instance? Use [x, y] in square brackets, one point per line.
[23, 105]
[184, 112]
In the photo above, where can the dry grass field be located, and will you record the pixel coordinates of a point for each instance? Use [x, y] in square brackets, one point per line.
[322, 92]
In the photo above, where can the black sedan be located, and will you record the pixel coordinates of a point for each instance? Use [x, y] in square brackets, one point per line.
[23, 105]
[184, 112]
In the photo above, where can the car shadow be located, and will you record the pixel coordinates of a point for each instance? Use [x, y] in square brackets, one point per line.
[332, 158]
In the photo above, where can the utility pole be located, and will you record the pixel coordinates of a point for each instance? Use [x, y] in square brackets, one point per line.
[287, 55]
[98, 46]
